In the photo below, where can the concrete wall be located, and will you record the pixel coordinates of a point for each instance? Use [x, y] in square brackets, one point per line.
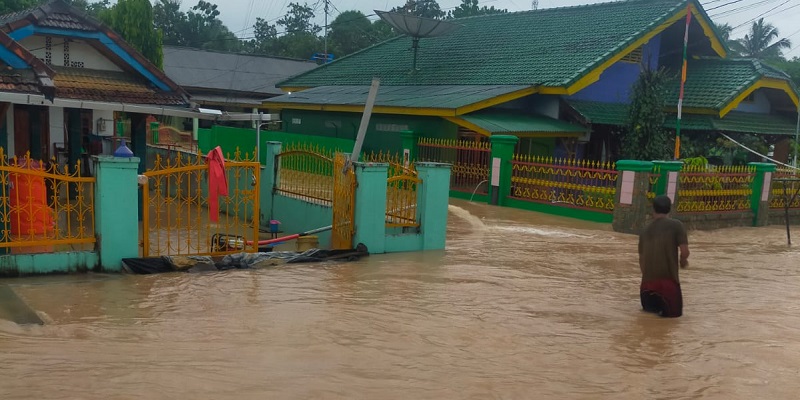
[715, 221]
[80, 53]
[759, 104]
[778, 217]
[48, 263]
[57, 134]
[298, 216]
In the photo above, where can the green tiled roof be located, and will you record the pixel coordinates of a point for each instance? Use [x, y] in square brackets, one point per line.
[735, 121]
[549, 47]
[512, 123]
[713, 83]
[445, 97]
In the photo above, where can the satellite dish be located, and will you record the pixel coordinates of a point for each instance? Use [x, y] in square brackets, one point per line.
[417, 27]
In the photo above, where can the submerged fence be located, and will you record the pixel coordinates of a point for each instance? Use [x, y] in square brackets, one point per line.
[401, 189]
[305, 172]
[711, 189]
[783, 191]
[469, 160]
[44, 206]
[567, 182]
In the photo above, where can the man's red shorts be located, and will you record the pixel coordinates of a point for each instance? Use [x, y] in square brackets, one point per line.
[662, 296]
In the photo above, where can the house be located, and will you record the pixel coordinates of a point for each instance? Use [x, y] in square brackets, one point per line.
[560, 79]
[66, 79]
[229, 81]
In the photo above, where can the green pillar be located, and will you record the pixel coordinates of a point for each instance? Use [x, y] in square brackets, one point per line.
[669, 172]
[500, 168]
[432, 200]
[116, 224]
[762, 192]
[631, 208]
[268, 181]
[409, 139]
[370, 206]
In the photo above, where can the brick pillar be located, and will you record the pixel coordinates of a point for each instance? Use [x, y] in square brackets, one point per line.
[631, 207]
[762, 193]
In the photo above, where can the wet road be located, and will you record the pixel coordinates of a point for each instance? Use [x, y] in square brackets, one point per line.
[520, 306]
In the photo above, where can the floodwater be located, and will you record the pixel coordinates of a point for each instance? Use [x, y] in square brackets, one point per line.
[520, 306]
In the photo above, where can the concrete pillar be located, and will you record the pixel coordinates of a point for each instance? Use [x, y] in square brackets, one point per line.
[268, 181]
[762, 192]
[500, 168]
[74, 139]
[432, 199]
[631, 207]
[409, 139]
[195, 127]
[669, 172]
[370, 206]
[116, 222]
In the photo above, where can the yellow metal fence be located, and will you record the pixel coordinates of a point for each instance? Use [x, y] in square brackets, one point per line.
[344, 188]
[715, 188]
[44, 207]
[783, 191]
[401, 189]
[179, 217]
[305, 172]
[583, 184]
[469, 160]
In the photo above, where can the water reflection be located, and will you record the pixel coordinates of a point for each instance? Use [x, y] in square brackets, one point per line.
[520, 305]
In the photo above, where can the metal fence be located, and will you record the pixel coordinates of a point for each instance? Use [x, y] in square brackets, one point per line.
[44, 208]
[469, 160]
[783, 191]
[583, 184]
[305, 172]
[715, 189]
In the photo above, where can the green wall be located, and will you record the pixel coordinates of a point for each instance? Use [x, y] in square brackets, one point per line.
[383, 133]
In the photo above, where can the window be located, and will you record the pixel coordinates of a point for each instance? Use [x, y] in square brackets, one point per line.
[390, 127]
[634, 56]
[297, 121]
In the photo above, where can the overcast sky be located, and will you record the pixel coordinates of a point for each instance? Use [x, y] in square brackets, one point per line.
[239, 15]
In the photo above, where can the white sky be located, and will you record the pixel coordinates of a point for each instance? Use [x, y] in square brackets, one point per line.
[239, 15]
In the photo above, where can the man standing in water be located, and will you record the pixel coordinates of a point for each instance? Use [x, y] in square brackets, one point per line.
[658, 259]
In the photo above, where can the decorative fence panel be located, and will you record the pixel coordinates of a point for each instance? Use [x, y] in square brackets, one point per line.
[305, 172]
[583, 184]
[397, 165]
[401, 190]
[710, 189]
[344, 194]
[182, 218]
[783, 191]
[44, 208]
[469, 159]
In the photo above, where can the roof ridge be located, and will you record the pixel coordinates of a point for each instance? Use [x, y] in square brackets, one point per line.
[234, 53]
[563, 8]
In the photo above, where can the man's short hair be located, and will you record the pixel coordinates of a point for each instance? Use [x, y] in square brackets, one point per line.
[662, 204]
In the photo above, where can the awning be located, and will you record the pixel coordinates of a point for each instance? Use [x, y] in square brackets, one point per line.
[522, 125]
[441, 100]
[736, 121]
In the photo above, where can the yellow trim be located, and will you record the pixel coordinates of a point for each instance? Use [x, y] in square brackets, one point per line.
[503, 98]
[594, 75]
[718, 47]
[290, 89]
[469, 125]
[553, 90]
[475, 128]
[763, 83]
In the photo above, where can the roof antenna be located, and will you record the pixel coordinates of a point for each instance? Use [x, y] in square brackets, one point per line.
[535, 5]
[417, 28]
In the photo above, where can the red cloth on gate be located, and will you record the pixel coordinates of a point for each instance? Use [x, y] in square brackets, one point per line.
[217, 182]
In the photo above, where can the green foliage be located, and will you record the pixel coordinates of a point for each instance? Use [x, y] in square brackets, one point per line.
[421, 8]
[133, 20]
[9, 6]
[791, 67]
[762, 42]
[200, 27]
[470, 8]
[645, 137]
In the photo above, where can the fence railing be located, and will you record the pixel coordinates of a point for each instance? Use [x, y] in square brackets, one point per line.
[305, 172]
[711, 189]
[184, 216]
[469, 159]
[781, 196]
[401, 201]
[397, 164]
[577, 183]
[44, 207]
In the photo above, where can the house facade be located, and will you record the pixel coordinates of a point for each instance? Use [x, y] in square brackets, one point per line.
[65, 82]
[560, 79]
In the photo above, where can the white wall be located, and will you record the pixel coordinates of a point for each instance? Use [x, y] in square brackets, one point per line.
[108, 116]
[56, 127]
[81, 54]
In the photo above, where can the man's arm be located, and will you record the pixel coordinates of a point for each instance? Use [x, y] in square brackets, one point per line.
[684, 248]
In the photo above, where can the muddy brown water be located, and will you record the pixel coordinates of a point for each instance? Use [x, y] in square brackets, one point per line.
[520, 306]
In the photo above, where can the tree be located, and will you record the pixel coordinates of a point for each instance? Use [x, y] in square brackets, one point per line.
[421, 8]
[724, 31]
[470, 8]
[133, 20]
[758, 43]
[349, 33]
[298, 19]
[200, 27]
[9, 6]
[645, 137]
[168, 17]
[791, 67]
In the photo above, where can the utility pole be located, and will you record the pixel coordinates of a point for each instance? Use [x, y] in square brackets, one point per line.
[326, 29]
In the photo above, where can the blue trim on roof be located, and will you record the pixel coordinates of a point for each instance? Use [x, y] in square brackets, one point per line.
[100, 36]
[13, 60]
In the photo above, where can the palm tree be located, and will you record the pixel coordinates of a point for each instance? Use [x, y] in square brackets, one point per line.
[724, 31]
[758, 42]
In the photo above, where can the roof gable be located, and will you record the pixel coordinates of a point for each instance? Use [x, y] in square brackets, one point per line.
[549, 48]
